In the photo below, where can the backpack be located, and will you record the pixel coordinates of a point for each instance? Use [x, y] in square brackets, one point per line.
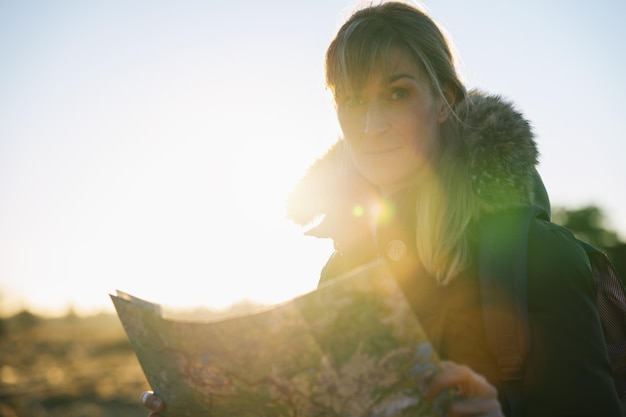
[503, 267]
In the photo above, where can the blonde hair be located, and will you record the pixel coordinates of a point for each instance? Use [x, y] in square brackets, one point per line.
[446, 205]
[445, 208]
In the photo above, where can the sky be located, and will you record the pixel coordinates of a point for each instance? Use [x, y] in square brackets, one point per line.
[149, 146]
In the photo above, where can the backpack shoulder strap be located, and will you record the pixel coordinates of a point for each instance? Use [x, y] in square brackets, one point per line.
[503, 269]
[611, 301]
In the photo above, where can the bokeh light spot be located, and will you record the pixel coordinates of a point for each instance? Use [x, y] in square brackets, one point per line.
[358, 211]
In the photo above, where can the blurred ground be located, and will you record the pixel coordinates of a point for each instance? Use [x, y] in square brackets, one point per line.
[70, 367]
[77, 366]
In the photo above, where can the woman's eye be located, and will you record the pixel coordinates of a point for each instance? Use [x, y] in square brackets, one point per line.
[399, 93]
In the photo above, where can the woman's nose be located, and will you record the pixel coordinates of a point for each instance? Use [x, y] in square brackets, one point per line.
[375, 119]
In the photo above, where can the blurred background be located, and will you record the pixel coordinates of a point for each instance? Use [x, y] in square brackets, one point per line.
[150, 146]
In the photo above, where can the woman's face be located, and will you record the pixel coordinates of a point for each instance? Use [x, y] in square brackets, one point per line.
[392, 124]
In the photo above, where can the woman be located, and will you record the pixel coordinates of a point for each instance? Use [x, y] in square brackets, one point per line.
[421, 164]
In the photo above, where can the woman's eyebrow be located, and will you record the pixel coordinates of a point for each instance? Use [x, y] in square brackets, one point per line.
[395, 77]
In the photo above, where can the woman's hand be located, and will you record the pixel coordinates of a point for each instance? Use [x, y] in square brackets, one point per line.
[477, 397]
[153, 403]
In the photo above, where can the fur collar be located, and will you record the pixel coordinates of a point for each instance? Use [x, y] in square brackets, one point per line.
[496, 145]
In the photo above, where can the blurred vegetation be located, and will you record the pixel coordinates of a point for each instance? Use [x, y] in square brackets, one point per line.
[69, 366]
[590, 224]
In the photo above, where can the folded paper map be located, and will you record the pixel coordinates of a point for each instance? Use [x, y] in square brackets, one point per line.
[352, 348]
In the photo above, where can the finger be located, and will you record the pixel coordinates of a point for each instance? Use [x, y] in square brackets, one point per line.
[450, 376]
[469, 383]
[477, 386]
[152, 402]
[474, 407]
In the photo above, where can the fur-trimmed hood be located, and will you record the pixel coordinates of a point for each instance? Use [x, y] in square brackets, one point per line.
[497, 147]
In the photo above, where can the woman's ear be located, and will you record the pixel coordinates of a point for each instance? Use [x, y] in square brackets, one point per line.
[447, 104]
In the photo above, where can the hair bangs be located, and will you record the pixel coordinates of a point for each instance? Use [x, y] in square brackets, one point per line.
[363, 48]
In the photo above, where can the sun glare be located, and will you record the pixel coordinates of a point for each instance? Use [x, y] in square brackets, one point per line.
[151, 150]
[185, 207]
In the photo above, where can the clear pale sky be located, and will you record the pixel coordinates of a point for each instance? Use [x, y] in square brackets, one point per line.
[148, 146]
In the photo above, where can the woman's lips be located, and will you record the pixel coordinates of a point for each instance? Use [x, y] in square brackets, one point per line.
[381, 151]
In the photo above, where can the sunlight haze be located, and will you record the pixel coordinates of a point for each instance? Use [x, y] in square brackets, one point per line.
[149, 146]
